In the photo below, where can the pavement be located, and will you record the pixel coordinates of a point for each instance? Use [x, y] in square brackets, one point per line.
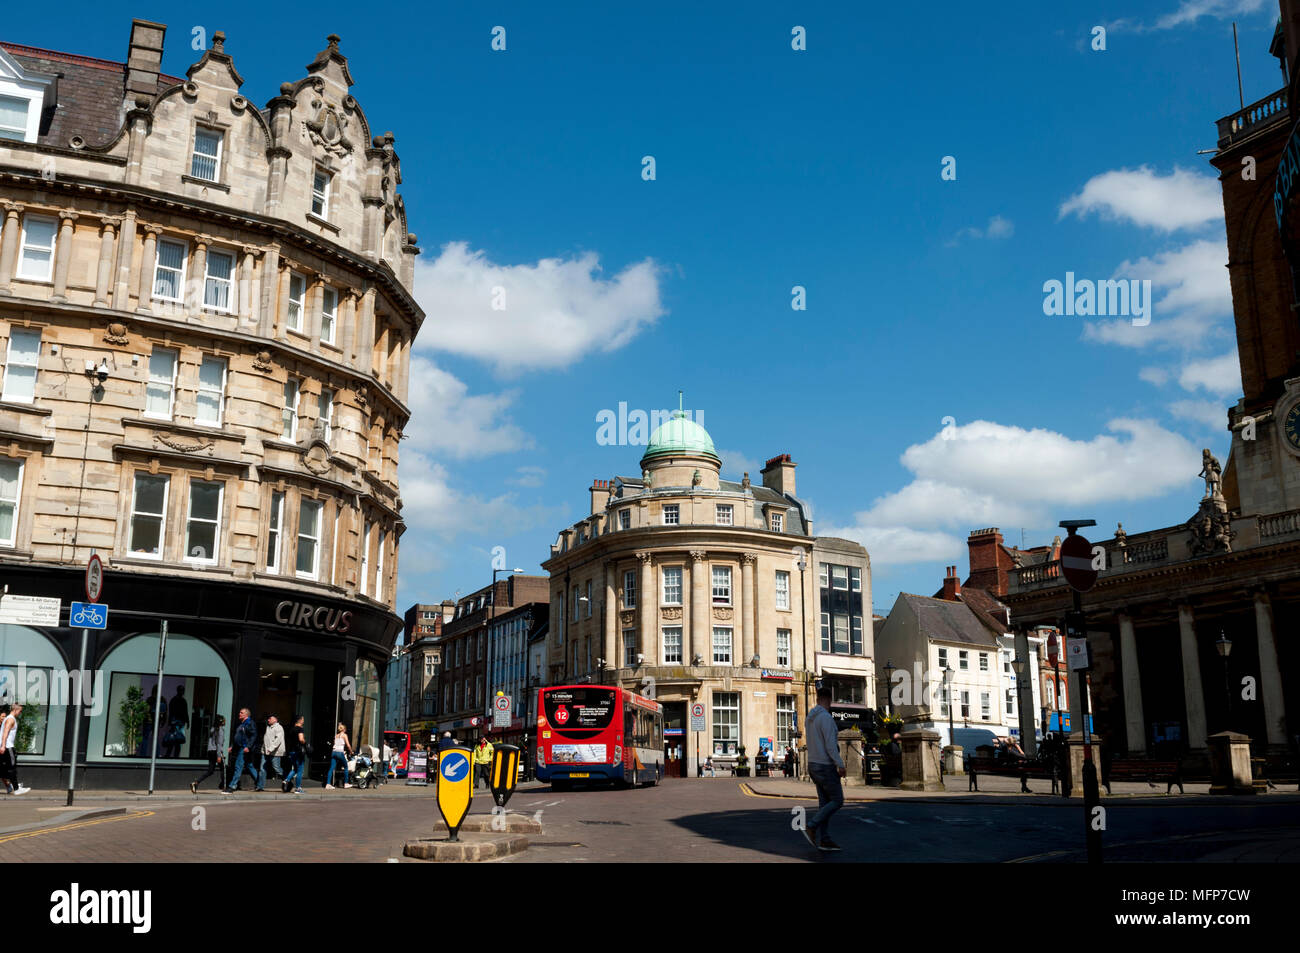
[1005, 790]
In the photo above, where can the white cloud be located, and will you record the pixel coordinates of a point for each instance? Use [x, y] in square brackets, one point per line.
[1189, 11]
[991, 474]
[1154, 375]
[1207, 413]
[529, 476]
[1218, 375]
[1196, 297]
[735, 464]
[998, 227]
[556, 311]
[447, 420]
[1182, 199]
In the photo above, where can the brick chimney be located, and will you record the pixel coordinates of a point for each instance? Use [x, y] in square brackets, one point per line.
[778, 474]
[144, 58]
[599, 496]
[951, 585]
[988, 561]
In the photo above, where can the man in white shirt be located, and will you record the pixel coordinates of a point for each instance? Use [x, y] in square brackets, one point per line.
[272, 751]
[826, 768]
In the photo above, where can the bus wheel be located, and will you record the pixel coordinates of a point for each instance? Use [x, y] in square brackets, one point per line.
[636, 777]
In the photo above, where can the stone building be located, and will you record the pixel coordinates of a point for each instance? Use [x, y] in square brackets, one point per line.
[696, 589]
[205, 326]
[1192, 627]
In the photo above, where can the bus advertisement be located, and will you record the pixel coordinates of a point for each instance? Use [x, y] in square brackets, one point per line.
[598, 733]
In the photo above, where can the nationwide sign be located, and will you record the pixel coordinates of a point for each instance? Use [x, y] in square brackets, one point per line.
[781, 674]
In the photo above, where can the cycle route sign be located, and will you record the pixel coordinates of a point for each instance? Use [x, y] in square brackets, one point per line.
[88, 615]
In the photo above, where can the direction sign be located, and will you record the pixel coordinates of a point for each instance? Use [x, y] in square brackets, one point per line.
[1076, 563]
[94, 578]
[88, 615]
[697, 717]
[455, 787]
[29, 610]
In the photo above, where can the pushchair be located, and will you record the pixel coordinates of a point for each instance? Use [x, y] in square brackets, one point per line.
[365, 773]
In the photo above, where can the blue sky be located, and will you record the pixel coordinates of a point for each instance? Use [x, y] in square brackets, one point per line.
[776, 168]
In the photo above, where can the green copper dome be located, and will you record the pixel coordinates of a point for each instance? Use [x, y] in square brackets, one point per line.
[680, 436]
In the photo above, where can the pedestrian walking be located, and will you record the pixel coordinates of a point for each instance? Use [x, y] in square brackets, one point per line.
[9, 750]
[299, 751]
[826, 767]
[245, 743]
[216, 755]
[272, 751]
[339, 756]
[482, 762]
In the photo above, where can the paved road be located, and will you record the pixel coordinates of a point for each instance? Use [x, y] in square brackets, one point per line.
[698, 820]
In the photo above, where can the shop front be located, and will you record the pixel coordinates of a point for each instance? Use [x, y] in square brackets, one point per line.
[273, 649]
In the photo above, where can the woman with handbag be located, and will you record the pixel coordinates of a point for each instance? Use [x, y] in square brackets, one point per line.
[339, 756]
[216, 758]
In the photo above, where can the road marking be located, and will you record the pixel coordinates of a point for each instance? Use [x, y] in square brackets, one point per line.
[75, 826]
[865, 820]
[897, 821]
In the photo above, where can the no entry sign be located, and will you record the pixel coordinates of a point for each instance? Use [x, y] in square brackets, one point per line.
[1076, 563]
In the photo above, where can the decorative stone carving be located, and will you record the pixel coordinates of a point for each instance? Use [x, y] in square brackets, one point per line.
[1121, 537]
[673, 614]
[1211, 527]
[1213, 475]
[697, 659]
[749, 557]
[262, 362]
[327, 129]
[698, 556]
[177, 444]
[363, 396]
[744, 484]
[627, 617]
[722, 615]
[696, 479]
[644, 557]
[115, 333]
[645, 478]
[316, 459]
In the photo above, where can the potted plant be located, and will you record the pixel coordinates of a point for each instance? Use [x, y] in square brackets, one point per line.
[742, 762]
[131, 715]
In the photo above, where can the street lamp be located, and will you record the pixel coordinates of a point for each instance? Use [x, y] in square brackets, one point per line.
[889, 683]
[947, 691]
[1224, 646]
[803, 632]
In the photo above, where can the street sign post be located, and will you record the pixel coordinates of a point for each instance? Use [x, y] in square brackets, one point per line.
[501, 710]
[455, 787]
[1077, 568]
[504, 773]
[88, 615]
[697, 725]
[94, 586]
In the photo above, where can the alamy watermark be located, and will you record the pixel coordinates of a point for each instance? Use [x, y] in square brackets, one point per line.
[633, 428]
[59, 687]
[1105, 298]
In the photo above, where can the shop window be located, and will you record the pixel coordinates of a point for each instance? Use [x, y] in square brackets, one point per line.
[188, 705]
[726, 722]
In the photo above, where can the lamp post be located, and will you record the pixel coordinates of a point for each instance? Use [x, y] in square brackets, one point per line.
[1018, 666]
[1224, 645]
[889, 683]
[803, 608]
[947, 691]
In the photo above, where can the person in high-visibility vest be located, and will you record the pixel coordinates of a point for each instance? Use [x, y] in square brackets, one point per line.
[483, 762]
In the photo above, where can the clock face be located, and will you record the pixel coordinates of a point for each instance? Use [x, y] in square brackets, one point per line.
[1291, 426]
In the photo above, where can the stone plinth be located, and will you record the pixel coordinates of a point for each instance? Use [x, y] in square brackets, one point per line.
[954, 760]
[851, 748]
[921, 760]
[472, 846]
[1230, 763]
[1075, 778]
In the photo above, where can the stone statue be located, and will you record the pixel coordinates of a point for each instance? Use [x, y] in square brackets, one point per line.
[1213, 475]
[696, 479]
[1121, 537]
[744, 484]
[645, 478]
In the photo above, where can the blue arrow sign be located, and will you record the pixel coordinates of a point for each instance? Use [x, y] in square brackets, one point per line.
[453, 766]
[88, 615]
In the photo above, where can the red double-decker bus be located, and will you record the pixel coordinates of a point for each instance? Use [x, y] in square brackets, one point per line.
[598, 733]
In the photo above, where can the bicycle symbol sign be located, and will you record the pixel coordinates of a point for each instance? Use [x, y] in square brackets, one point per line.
[88, 615]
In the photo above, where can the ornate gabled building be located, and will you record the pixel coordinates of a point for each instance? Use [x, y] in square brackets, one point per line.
[205, 326]
[689, 587]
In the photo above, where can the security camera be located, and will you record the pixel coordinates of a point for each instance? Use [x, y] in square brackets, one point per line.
[102, 372]
[640, 659]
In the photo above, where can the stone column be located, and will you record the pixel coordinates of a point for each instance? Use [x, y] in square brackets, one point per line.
[9, 246]
[746, 608]
[125, 259]
[249, 292]
[613, 659]
[382, 372]
[701, 637]
[363, 358]
[313, 304]
[63, 256]
[271, 292]
[346, 331]
[148, 258]
[1193, 690]
[1025, 693]
[1134, 719]
[1270, 678]
[104, 273]
[646, 609]
[920, 760]
[196, 276]
[404, 370]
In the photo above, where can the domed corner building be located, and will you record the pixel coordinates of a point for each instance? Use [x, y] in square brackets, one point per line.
[686, 586]
[205, 327]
